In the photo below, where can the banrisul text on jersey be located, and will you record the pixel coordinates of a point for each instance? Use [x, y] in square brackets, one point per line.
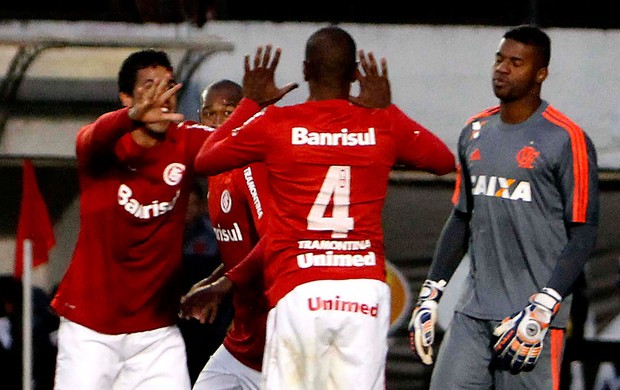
[302, 136]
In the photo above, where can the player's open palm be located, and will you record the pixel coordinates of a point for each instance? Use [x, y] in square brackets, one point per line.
[258, 79]
[375, 91]
[151, 103]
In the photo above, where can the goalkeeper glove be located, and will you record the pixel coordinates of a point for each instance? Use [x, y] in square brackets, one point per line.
[422, 324]
[521, 335]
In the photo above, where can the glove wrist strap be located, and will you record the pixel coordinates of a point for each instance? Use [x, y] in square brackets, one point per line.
[431, 290]
[548, 299]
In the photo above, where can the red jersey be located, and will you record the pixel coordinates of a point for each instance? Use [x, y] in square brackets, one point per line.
[237, 202]
[125, 275]
[328, 165]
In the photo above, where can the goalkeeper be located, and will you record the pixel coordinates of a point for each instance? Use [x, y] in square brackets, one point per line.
[526, 212]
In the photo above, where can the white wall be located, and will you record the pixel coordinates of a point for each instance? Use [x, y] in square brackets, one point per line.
[442, 75]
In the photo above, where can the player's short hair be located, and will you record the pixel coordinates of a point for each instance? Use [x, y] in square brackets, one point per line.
[533, 36]
[128, 73]
[331, 54]
[226, 84]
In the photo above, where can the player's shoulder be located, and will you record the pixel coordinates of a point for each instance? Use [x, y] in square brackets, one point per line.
[486, 113]
[561, 120]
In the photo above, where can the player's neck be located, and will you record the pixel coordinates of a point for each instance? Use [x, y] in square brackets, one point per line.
[519, 110]
[147, 138]
[328, 92]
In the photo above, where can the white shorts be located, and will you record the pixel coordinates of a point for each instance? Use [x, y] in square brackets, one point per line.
[224, 372]
[150, 360]
[328, 334]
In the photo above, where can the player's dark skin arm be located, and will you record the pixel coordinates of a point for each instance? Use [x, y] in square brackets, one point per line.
[203, 300]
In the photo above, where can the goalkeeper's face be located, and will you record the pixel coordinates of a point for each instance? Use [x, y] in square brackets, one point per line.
[516, 71]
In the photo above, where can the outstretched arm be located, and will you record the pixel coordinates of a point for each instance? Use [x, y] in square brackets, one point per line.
[101, 136]
[259, 90]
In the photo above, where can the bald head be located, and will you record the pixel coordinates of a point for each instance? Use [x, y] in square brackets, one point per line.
[330, 57]
[218, 101]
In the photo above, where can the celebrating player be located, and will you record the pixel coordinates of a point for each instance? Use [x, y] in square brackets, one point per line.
[328, 163]
[526, 209]
[119, 299]
[238, 206]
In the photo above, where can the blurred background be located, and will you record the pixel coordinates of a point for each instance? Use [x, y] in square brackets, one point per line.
[58, 63]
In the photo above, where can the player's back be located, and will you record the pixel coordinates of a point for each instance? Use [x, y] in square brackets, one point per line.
[328, 168]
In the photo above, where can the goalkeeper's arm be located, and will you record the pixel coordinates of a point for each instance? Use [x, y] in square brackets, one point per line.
[451, 246]
[572, 259]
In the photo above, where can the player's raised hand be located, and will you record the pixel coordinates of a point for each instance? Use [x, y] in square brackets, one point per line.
[202, 302]
[151, 104]
[375, 91]
[422, 324]
[520, 337]
[258, 79]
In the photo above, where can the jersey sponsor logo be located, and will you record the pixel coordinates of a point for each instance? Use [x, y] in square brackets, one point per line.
[527, 156]
[337, 304]
[475, 128]
[226, 201]
[173, 173]
[329, 259]
[475, 155]
[334, 245]
[249, 180]
[227, 235]
[301, 136]
[143, 211]
[501, 187]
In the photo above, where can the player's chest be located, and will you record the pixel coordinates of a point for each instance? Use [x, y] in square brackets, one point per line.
[510, 154]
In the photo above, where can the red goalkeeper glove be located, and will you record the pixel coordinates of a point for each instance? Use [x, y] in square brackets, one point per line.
[521, 335]
[422, 324]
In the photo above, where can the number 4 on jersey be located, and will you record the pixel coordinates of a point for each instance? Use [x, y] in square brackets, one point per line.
[336, 186]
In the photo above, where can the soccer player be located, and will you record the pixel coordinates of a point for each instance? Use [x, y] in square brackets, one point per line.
[328, 163]
[238, 205]
[526, 210]
[118, 300]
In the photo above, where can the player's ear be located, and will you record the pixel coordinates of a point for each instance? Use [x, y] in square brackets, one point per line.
[541, 75]
[126, 100]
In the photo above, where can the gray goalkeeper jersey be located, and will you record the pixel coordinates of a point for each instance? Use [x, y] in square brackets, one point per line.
[526, 183]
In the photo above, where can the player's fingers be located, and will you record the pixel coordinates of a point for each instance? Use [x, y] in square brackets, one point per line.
[424, 352]
[363, 61]
[503, 327]
[161, 86]
[148, 92]
[246, 63]
[173, 117]
[266, 57]
[211, 315]
[384, 68]
[276, 58]
[167, 94]
[257, 56]
[288, 88]
[372, 64]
